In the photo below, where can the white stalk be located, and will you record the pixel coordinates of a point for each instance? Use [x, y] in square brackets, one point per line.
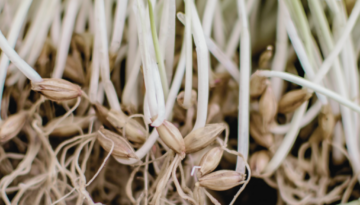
[160, 98]
[325, 67]
[347, 118]
[207, 20]
[28, 71]
[139, 14]
[67, 29]
[42, 34]
[100, 25]
[279, 61]
[313, 86]
[91, 18]
[300, 49]
[120, 16]
[232, 43]
[167, 36]
[82, 17]
[175, 87]
[34, 29]
[350, 67]
[130, 89]
[108, 4]
[218, 28]
[95, 68]
[245, 70]
[154, 94]
[289, 139]
[132, 42]
[307, 118]
[12, 37]
[203, 69]
[189, 54]
[338, 137]
[55, 29]
[147, 114]
[234, 38]
[230, 66]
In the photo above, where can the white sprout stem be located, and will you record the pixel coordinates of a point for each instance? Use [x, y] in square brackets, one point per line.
[189, 55]
[279, 61]
[66, 33]
[132, 42]
[170, 36]
[218, 28]
[104, 55]
[347, 117]
[130, 89]
[91, 18]
[25, 68]
[232, 43]
[82, 17]
[39, 41]
[144, 51]
[348, 60]
[208, 17]
[325, 67]
[230, 66]
[300, 49]
[175, 86]
[234, 38]
[203, 69]
[33, 30]
[95, 68]
[305, 29]
[154, 89]
[289, 139]
[308, 117]
[313, 86]
[245, 70]
[12, 37]
[160, 99]
[338, 137]
[55, 29]
[158, 52]
[108, 5]
[120, 16]
[147, 114]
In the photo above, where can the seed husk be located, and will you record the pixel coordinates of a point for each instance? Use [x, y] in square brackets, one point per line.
[67, 127]
[180, 98]
[258, 161]
[199, 196]
[210, 160]
[171, 136]
[101, 114]
[222, 180]
[292, 100]
[326, 121]
[122, 147]
[74, 70]
[316, 136]
[257, 85]
[133, 129]
[57, 89]
[263, 139]
[202, 137]
[265, 57]
[268, 106]
[12, 126]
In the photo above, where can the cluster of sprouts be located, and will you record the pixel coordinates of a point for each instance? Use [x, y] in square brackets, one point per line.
[172, 101]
